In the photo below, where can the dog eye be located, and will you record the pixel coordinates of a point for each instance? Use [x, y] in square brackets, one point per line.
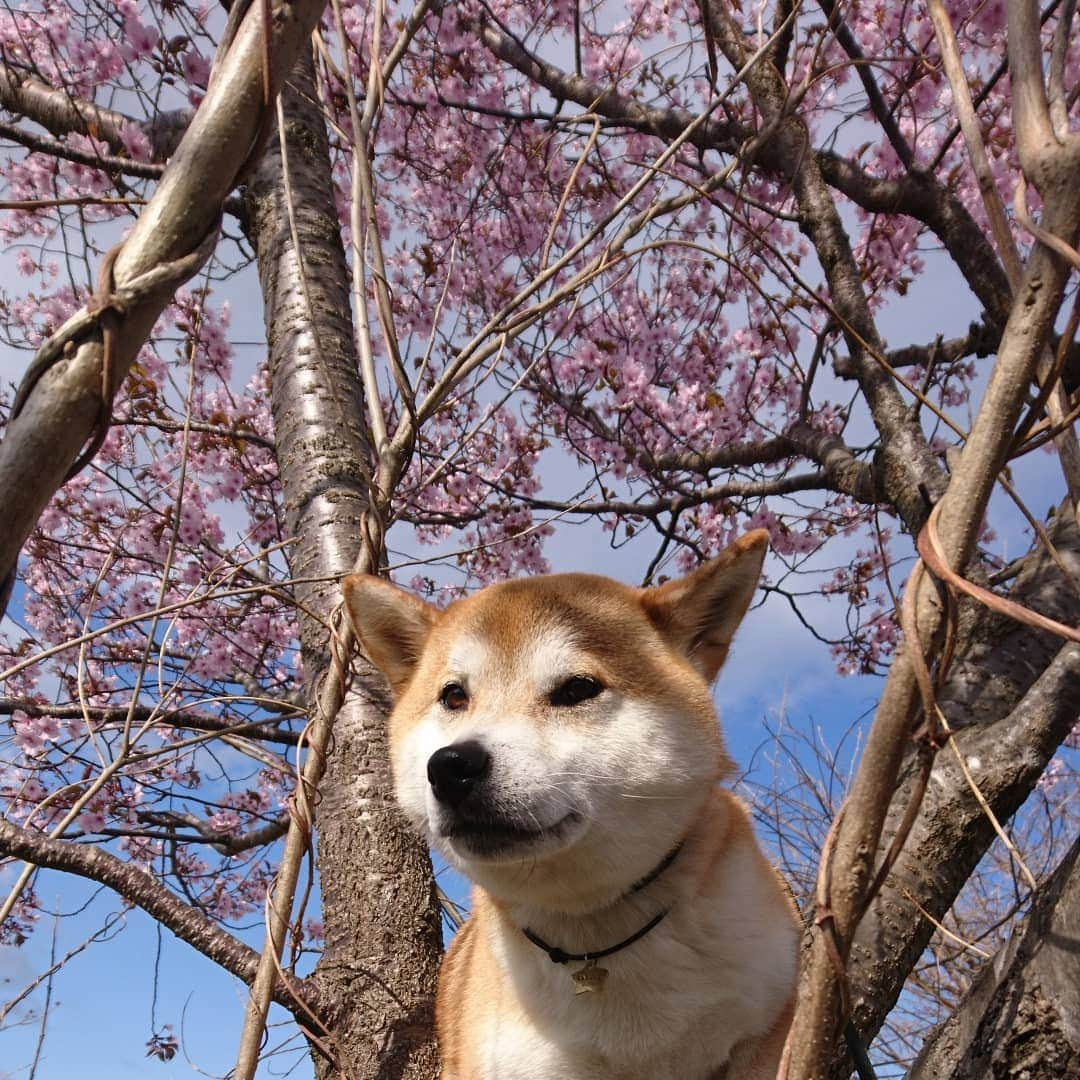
[453, 697]
[576, 690]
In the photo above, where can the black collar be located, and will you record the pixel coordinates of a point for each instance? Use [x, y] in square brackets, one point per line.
[557, 956]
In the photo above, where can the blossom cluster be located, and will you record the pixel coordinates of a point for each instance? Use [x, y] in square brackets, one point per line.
[656, 319]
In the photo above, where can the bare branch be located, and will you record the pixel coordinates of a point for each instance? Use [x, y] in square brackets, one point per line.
[980, 340]
[594, 97]
[140, 714]
[42, 144]
[766, 452]
[140, 889]
[969, 125]
[962, 510]
[736, 489]
[1035, 135]
[1022, 1006]
[226, 843]
[842, 469]
[907, 465]
[58, 111]
[922, 197]
[880, 109]
[1013, 703]
[160, 424]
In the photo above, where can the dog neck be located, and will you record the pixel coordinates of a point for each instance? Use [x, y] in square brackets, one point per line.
[640, 906]
[558, 955]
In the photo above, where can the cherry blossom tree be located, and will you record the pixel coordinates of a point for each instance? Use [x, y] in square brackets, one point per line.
[525, 268]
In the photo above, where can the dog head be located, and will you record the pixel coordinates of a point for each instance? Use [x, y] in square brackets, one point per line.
[555, 736]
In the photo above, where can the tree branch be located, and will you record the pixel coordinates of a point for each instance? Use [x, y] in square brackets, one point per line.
[205, 833]
[665, 123]
[736, 489]
[140, 889]
[42, 144]
[882, 113]
[1013, 696]
[160, 424]
[60, 112]
[766, 452]
[922, 197]
[860, 832]
[907, 466]
[981, 340]
[180, 718]
[63, 408]
[844, 472]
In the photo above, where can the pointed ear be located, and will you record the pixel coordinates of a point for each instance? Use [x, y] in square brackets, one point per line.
[698, 614]
[390, 624]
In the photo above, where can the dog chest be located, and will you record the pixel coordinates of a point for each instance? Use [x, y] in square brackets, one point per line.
[522, 1051]
[671, 1008]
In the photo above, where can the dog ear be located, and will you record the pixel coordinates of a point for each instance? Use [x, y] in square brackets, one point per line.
[390, 624]
[699, 614]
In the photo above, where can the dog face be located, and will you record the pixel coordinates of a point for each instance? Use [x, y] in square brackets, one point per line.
[554, 736]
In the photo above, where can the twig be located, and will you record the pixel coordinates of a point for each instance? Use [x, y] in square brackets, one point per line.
[985, 806]
[45, 1008]
[942, 928]
[139, 888]
[969, 125]
[22, 995]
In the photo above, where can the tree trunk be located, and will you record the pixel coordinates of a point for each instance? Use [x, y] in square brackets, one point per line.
[1021, 1018]
[1013, 695]
[380, 911]
[63, 409]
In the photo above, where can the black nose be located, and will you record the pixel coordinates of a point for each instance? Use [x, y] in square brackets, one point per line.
[454, 770]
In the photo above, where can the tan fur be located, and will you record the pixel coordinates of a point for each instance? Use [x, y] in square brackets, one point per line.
[601, 790]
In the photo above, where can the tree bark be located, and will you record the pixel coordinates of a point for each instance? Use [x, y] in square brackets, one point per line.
[1021, 1018]
[380, 912]
[1013, 695]
[63, 410]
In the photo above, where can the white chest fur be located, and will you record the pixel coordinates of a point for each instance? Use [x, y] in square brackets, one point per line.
[674, 1003]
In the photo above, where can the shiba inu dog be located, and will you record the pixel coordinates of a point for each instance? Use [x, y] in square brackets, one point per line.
[555, 739]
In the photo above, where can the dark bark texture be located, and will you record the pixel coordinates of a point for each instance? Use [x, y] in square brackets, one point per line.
[379, 906]
[1021, 1018]
[1013, 696]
